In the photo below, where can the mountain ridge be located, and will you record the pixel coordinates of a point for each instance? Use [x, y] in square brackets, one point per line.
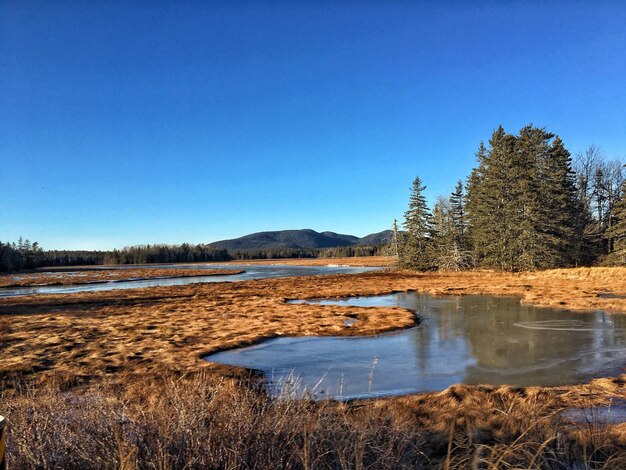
[299, 239]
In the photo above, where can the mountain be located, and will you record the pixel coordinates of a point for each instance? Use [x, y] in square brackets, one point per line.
[379, 238]
[305, 238]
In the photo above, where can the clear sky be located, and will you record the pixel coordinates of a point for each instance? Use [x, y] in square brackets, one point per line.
[128, 122]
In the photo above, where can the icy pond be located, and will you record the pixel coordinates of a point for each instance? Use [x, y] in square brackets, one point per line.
[460, 339]
[251, 271]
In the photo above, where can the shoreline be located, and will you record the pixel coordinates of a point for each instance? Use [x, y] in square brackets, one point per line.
[353, 261]
[135, 352]
[105, 275]
[117, 330]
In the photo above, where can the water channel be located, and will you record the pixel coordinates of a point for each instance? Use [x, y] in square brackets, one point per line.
[251, 271]
[460, 339]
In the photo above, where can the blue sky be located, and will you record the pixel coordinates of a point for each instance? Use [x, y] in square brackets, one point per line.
[165, 122]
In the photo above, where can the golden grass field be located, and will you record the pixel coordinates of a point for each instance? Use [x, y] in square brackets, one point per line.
[83, 336]
[134, 343]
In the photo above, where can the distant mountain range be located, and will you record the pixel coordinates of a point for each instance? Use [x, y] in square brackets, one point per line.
[305, 238]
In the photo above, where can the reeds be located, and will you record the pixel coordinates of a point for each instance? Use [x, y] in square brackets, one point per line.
[210, 422]
[206, 421]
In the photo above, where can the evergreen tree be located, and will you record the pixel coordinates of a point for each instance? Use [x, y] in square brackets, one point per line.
[491, 228]
[24, 255]
[457, 212]
[617, 232]
[563, 209]
[414, 252]
[445, 242]
[7, 258]
[527, 212]
[441, 234]
[522, 202]
[394, 244]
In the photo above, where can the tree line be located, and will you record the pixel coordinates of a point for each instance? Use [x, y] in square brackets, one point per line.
[527, 205]
[25, 255]
[20, 255]
[147, 254]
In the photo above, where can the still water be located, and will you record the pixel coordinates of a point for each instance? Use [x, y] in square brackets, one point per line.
[252, 271]
[464, 339]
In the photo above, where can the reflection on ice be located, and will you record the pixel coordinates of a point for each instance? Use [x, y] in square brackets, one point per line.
[467, 339]
[567, 325]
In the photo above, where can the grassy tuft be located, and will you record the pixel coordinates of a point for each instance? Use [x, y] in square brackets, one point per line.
[210, 422]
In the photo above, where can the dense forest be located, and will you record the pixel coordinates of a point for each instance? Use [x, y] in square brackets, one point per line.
[146, 254]
[27, 255]
[527, 205]
[20, 255]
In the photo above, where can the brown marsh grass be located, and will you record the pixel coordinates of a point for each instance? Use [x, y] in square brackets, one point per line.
[86, 336]
[93, 276]
[204, 421]
[116, 380]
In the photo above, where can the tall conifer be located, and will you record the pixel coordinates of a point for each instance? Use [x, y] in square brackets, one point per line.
[530, 209]
[563, 206]
[414, 252]
[457, 213]
[522, 203]
[617, 232]
[488, 203]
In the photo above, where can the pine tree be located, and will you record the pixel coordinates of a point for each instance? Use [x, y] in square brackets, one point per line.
[522, 203]
[562, 207]
[532, 211]
[488, 206]
[457, 212]
[445, 246]
[617, 232]
[414, 252]
[7, 254]
[395, 249]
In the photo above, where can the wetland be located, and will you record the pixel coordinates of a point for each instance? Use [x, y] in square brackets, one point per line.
[125, 369]
[458, 339]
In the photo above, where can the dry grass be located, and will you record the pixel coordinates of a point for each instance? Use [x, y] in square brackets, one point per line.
[83, 336]
[122, 370]
[208, 422]
[94, 276]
